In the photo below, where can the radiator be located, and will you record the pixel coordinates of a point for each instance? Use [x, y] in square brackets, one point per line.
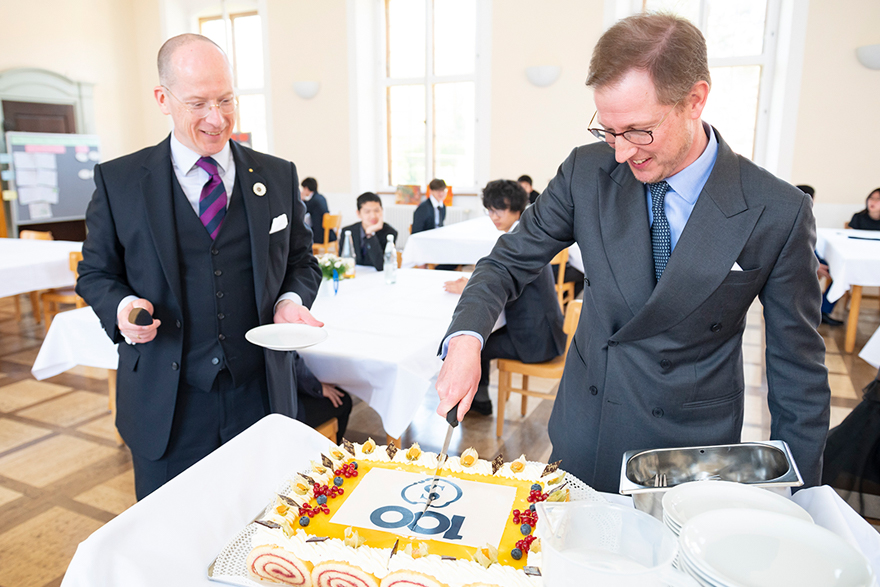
[400, 217]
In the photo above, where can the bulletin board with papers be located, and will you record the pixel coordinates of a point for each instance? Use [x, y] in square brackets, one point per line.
[52, 175]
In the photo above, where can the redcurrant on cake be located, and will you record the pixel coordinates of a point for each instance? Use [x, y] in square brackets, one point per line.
[355, 520]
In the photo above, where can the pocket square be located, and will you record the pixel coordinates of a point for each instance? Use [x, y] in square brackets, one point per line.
[736, 267]
[278, 223]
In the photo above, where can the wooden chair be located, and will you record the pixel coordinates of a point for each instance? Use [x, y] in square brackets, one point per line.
[564, 291]
[53, 298]
[34, 295]
[551, 369]
[329, 429]
[330, 222]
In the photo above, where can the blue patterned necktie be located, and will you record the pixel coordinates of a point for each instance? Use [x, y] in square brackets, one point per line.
[661, 238]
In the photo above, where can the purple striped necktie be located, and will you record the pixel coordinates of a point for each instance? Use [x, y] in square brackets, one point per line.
[212, 202]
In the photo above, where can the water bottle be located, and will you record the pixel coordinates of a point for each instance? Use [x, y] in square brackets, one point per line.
[348, 256]
[390, 267]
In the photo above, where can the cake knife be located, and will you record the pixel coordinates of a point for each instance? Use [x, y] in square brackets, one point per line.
[452, 419]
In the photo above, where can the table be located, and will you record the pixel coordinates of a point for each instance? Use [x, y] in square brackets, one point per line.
[172, 536]
[382, 340]
[853, 257]
[464, 243]
[33, 265]
[871, 351]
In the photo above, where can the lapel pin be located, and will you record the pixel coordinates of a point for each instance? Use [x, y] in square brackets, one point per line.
[259, 189]
[251, 170]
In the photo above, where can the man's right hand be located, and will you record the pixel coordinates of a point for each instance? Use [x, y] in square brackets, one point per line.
[133, 333]
[460, 375]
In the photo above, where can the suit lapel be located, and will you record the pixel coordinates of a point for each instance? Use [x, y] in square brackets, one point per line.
[626, 235]
[713, 238]
[157, 190]
[248, 174]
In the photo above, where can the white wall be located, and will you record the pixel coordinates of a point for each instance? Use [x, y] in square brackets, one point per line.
[104, 42]
[838, 122]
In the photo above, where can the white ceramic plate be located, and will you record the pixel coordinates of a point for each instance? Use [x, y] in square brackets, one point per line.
[683, 502]
[285, 337]
[755, 548]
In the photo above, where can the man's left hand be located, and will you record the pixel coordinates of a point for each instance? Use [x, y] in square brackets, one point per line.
[290, 312]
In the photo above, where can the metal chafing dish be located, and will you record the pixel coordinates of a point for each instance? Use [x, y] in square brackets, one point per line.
[647, 475]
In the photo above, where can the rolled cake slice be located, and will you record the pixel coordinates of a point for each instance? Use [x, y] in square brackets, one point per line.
[340, 574]
[277, 564]
[406, 578]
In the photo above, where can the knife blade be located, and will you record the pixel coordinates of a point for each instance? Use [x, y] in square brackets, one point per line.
[452, 419]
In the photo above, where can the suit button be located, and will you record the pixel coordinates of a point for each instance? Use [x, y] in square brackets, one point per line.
[218, 273]
[215, 252]
[175, 366]
[177, 323]
[215, 361]
[716, 327]
[221, 316]
[657, 413]
[587, 282]
[219, 294]
[665, 364]
[612, 343]
[222, 337]
[594, 390]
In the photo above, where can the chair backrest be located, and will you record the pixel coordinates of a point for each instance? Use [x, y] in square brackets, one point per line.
[75, 257]
[560, 260]
[36, 235]
[572, 317]
[331, 222]
[846, 224]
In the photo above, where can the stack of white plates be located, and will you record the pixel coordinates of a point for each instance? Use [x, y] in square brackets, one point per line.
[685, 501]
[756, 548]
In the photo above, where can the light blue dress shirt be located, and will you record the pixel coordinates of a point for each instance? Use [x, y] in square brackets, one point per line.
[685, 187]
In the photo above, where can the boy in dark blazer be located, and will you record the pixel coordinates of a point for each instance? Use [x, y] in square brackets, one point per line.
[533, 329]
[370, 234]
[316, 207]
[432, 212]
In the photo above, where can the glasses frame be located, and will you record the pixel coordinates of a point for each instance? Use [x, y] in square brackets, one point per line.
[494, 212]
[602, 134]
[214, 104]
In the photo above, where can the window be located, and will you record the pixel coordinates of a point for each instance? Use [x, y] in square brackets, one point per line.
[241, 36]
[741, 39]
[430, 88]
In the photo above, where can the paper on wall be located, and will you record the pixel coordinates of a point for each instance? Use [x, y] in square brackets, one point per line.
[46, 160]
[23, 160]
[47, 177]
[40, 210]
[33, 194]
[25, 177]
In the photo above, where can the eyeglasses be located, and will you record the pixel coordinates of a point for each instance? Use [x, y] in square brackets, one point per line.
[493, 213]
[203, 109]
[634, 136]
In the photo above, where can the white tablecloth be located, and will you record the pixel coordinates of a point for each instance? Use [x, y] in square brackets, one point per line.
[852, 255]
[32, 265]
[381, 346]
[871, 351]
[172, 536]
[464, 243]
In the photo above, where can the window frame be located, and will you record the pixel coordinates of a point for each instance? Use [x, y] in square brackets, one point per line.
[479, 78]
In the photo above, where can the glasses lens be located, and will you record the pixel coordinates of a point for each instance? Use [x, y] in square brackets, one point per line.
[598, 133]
[227, 106]
[639, 137]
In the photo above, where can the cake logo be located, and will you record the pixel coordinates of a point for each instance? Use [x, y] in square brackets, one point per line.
[463, 512]
[445, 493]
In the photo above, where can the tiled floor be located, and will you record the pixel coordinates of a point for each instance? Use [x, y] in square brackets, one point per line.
[62, 475]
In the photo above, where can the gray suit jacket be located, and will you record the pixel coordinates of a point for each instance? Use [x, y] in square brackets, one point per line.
[132, 249]
[654, 367]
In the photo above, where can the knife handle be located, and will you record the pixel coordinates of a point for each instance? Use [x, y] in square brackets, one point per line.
[140, 317]
[452, 416]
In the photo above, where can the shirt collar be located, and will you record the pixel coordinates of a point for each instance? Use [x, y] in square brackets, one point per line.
[689, 182]
[435, 203]
[185, 158]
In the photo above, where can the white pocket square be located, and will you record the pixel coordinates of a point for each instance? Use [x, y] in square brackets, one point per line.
[278, 223]
[736, 267]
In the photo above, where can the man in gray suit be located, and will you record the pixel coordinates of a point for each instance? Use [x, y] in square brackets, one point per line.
[679, 235]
